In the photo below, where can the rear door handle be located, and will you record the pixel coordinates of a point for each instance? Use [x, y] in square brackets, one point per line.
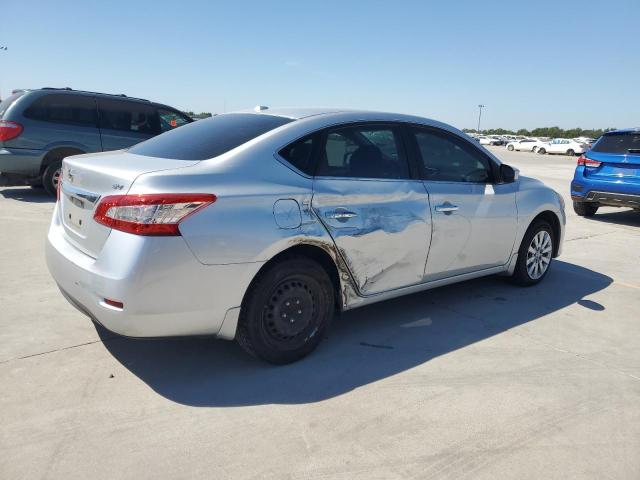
[446, 207]
[340, 214]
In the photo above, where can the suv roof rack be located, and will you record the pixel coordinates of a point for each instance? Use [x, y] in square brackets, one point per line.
[69, 89]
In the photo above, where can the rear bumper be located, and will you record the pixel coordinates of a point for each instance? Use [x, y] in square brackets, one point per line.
[20, 161]
[610, 199]
[164, 289]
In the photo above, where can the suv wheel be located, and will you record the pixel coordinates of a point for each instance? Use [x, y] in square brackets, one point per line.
[585, 209]
[286, 311]
[51, 177]
[535, 254]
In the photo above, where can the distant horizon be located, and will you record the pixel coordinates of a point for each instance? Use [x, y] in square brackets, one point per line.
[429, 59]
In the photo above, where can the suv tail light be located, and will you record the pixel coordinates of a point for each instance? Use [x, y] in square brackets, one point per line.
[587, 162]
[9, 130]
[155, 214]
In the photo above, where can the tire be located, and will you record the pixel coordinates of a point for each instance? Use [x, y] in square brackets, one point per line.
[510, 148]
[267, 327]
[542, 151]
[570, 152]
[534, 149]
[585, 209]
[51, 176]
[536, 251]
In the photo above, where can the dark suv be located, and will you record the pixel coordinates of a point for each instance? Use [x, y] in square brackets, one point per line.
[38, 128]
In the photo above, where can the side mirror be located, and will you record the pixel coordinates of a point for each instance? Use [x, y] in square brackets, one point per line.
[508, 173]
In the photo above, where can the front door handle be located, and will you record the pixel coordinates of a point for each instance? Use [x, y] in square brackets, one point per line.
[446, 208]
[340, 214]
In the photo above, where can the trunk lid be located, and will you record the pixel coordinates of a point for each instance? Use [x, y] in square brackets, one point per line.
[615, 167]
[88, 178]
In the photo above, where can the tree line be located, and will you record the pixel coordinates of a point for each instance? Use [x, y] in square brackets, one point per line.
[552, 132]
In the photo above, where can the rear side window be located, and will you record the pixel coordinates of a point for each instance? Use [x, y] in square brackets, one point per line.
[210, 137]
[618, 143]
[64, 108]
[170, 119]
[366, 151]
[300, 154]
[128, 116]
[7, 102]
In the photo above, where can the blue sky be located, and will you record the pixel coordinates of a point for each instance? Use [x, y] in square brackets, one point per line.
[533, 63]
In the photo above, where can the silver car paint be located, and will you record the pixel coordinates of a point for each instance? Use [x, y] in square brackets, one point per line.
[194, 284]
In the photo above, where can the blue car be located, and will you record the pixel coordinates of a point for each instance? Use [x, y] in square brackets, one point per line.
[608, 174]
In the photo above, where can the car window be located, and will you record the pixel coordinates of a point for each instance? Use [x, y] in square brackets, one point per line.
[446, 158]
[210, 137]
[624, 142]
[7, 102]
[64, 108]
[368, 151]
[128, 116]
[300, 154]
[170, 119]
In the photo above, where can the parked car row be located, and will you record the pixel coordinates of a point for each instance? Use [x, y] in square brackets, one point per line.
[557, 145]
[39, 128]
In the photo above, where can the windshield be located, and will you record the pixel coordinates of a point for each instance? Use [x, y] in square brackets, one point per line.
[210, 137]
[624, 142]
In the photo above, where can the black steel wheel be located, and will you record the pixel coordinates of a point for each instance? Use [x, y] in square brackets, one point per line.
[286, 311]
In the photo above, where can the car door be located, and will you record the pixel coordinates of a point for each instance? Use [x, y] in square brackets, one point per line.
[377, 215]
[474, 217]
[124, 123]
[555, 146]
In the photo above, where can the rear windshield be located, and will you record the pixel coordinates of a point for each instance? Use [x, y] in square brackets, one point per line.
[210, 137]
[7, 102]
[618, 143]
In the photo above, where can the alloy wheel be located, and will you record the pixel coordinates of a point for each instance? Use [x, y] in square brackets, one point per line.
[539, 254]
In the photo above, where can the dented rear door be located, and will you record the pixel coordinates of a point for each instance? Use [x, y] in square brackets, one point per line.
[382, 225]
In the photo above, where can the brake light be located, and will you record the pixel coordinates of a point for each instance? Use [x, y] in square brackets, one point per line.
[155, 214]
[9, 130]
[587, 162]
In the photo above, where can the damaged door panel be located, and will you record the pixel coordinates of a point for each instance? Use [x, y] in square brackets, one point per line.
[381, 228]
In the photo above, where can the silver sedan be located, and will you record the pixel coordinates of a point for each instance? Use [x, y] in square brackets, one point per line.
[262, 226]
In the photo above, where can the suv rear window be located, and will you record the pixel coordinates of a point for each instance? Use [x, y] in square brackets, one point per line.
[7, 102]
[626, 142]
[64, 108]
[210, 137]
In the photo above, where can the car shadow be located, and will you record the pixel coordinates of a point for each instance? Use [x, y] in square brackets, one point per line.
[365, 345]
[27, 194]
[627, 217]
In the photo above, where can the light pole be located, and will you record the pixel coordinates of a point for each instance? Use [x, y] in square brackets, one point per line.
[480, 107]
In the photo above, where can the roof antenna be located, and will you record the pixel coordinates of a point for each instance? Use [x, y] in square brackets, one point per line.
[260, 108]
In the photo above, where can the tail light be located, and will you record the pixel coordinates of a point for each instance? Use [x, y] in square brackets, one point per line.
[157, 214]
[587, 162]
[9, 130]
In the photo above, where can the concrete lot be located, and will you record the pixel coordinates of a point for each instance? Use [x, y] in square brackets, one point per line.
[478, 380]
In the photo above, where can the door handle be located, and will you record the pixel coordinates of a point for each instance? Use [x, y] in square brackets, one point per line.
[446, 208]
[340, 214]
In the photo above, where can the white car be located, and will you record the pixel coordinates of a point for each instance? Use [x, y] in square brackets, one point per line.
[526, 145]
[490, 141]
[562, 145]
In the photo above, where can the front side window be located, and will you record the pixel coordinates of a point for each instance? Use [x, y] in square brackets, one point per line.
[170, 119]
[368, 151]
[446, 158]
[128, 116]
[64, 108]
